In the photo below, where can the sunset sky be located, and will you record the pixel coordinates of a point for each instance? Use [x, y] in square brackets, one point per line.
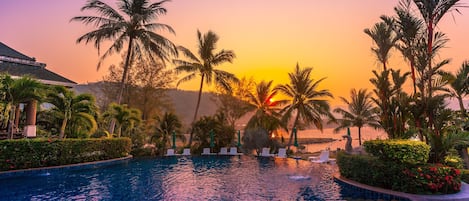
[268, 36]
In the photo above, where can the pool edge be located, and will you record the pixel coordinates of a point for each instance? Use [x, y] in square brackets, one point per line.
[35, 171]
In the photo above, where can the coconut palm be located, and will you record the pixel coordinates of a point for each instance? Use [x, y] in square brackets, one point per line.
[131, 24]
[305, 100]
[204, 66]
[266, 114]
[165, 126]
[360, 112]
[384, 38]
[432, 11]
[19, 91]
[125, 118]
[72, 108]
[459, 85]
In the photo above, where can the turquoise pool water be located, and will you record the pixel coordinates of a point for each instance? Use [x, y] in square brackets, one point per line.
[185, 178]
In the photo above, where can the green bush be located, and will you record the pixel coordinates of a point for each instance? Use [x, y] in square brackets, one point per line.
[454, 161]
[403, 177]
[402, 151]
[465, 175]
[27, 153]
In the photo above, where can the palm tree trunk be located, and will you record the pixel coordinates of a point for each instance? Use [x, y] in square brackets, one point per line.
[360, 135]
[121, 89]
[461, 106]
[412, 70]
[11, 123]
[196, 109]
[292, 130]
[62, 128]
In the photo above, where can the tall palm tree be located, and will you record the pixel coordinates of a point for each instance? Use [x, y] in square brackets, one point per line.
[305, 99]
[125, 118]
[262, 101]
[360, 112]
[384, 38]
[204, 66]
[409, 30]
[165, 126]
[19, 91]
[459, 85]
[69, 107]
[132, 24]
[432, 11]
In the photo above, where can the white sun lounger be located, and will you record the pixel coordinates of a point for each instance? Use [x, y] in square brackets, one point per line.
[234, 151]
[223, 151]
[170, 152]
[266, 152]
[282, 153]
[206, 151]
[186, 152]
[323, 157]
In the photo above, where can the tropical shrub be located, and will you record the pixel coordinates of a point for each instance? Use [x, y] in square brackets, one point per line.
[411, 178]
[223, 134]
[433, 178]
[401, 151]
[26, 153]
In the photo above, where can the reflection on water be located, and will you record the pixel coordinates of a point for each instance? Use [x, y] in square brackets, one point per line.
[366, 133]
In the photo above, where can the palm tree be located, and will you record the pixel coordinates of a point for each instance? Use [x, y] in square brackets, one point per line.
[19, 91]
[384, 38]
[409, 30]
[432, 11]
[264, 105]
[360, 112]
[125, 118]
[165, 126]
[204, 66]
[305, 99]
[459, 85]
[132, 25]
[70, 107]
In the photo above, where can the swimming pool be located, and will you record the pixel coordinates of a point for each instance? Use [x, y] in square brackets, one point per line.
[184, 178]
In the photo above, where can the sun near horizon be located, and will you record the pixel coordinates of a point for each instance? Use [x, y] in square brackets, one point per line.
[269, 38]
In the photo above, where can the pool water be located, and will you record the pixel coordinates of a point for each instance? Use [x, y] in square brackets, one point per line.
[184, 178]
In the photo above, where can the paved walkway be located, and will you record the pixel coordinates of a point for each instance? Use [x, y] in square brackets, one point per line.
[462, 195]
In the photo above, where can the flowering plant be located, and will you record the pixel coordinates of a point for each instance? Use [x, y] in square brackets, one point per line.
[434, 179]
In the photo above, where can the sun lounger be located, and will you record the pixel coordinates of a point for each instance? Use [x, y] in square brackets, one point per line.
[206, 151]
[266, 152]
[170, 152]
[323, 157]
[282, 153]
[223, 151]
[186, 152]
[234, 151]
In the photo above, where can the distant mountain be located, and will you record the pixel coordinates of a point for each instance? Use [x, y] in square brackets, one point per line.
[183, 102]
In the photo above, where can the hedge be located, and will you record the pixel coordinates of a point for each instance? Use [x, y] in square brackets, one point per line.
[33, 153]
[403, 177]
[401, 151]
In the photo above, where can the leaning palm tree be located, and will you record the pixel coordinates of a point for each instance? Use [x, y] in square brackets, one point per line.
[360, 112]
[70, 107]
[204, 66]
[131, 24]
[384, 38]
[305, 100]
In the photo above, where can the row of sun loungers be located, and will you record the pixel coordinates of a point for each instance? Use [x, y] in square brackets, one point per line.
[206, 151]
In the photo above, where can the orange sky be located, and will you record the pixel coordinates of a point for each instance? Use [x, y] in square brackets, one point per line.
[268, 36]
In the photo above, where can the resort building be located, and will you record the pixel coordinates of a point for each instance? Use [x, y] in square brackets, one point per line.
[18, 65]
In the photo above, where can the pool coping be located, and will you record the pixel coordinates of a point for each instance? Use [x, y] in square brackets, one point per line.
[460, 196]
[46, 170]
